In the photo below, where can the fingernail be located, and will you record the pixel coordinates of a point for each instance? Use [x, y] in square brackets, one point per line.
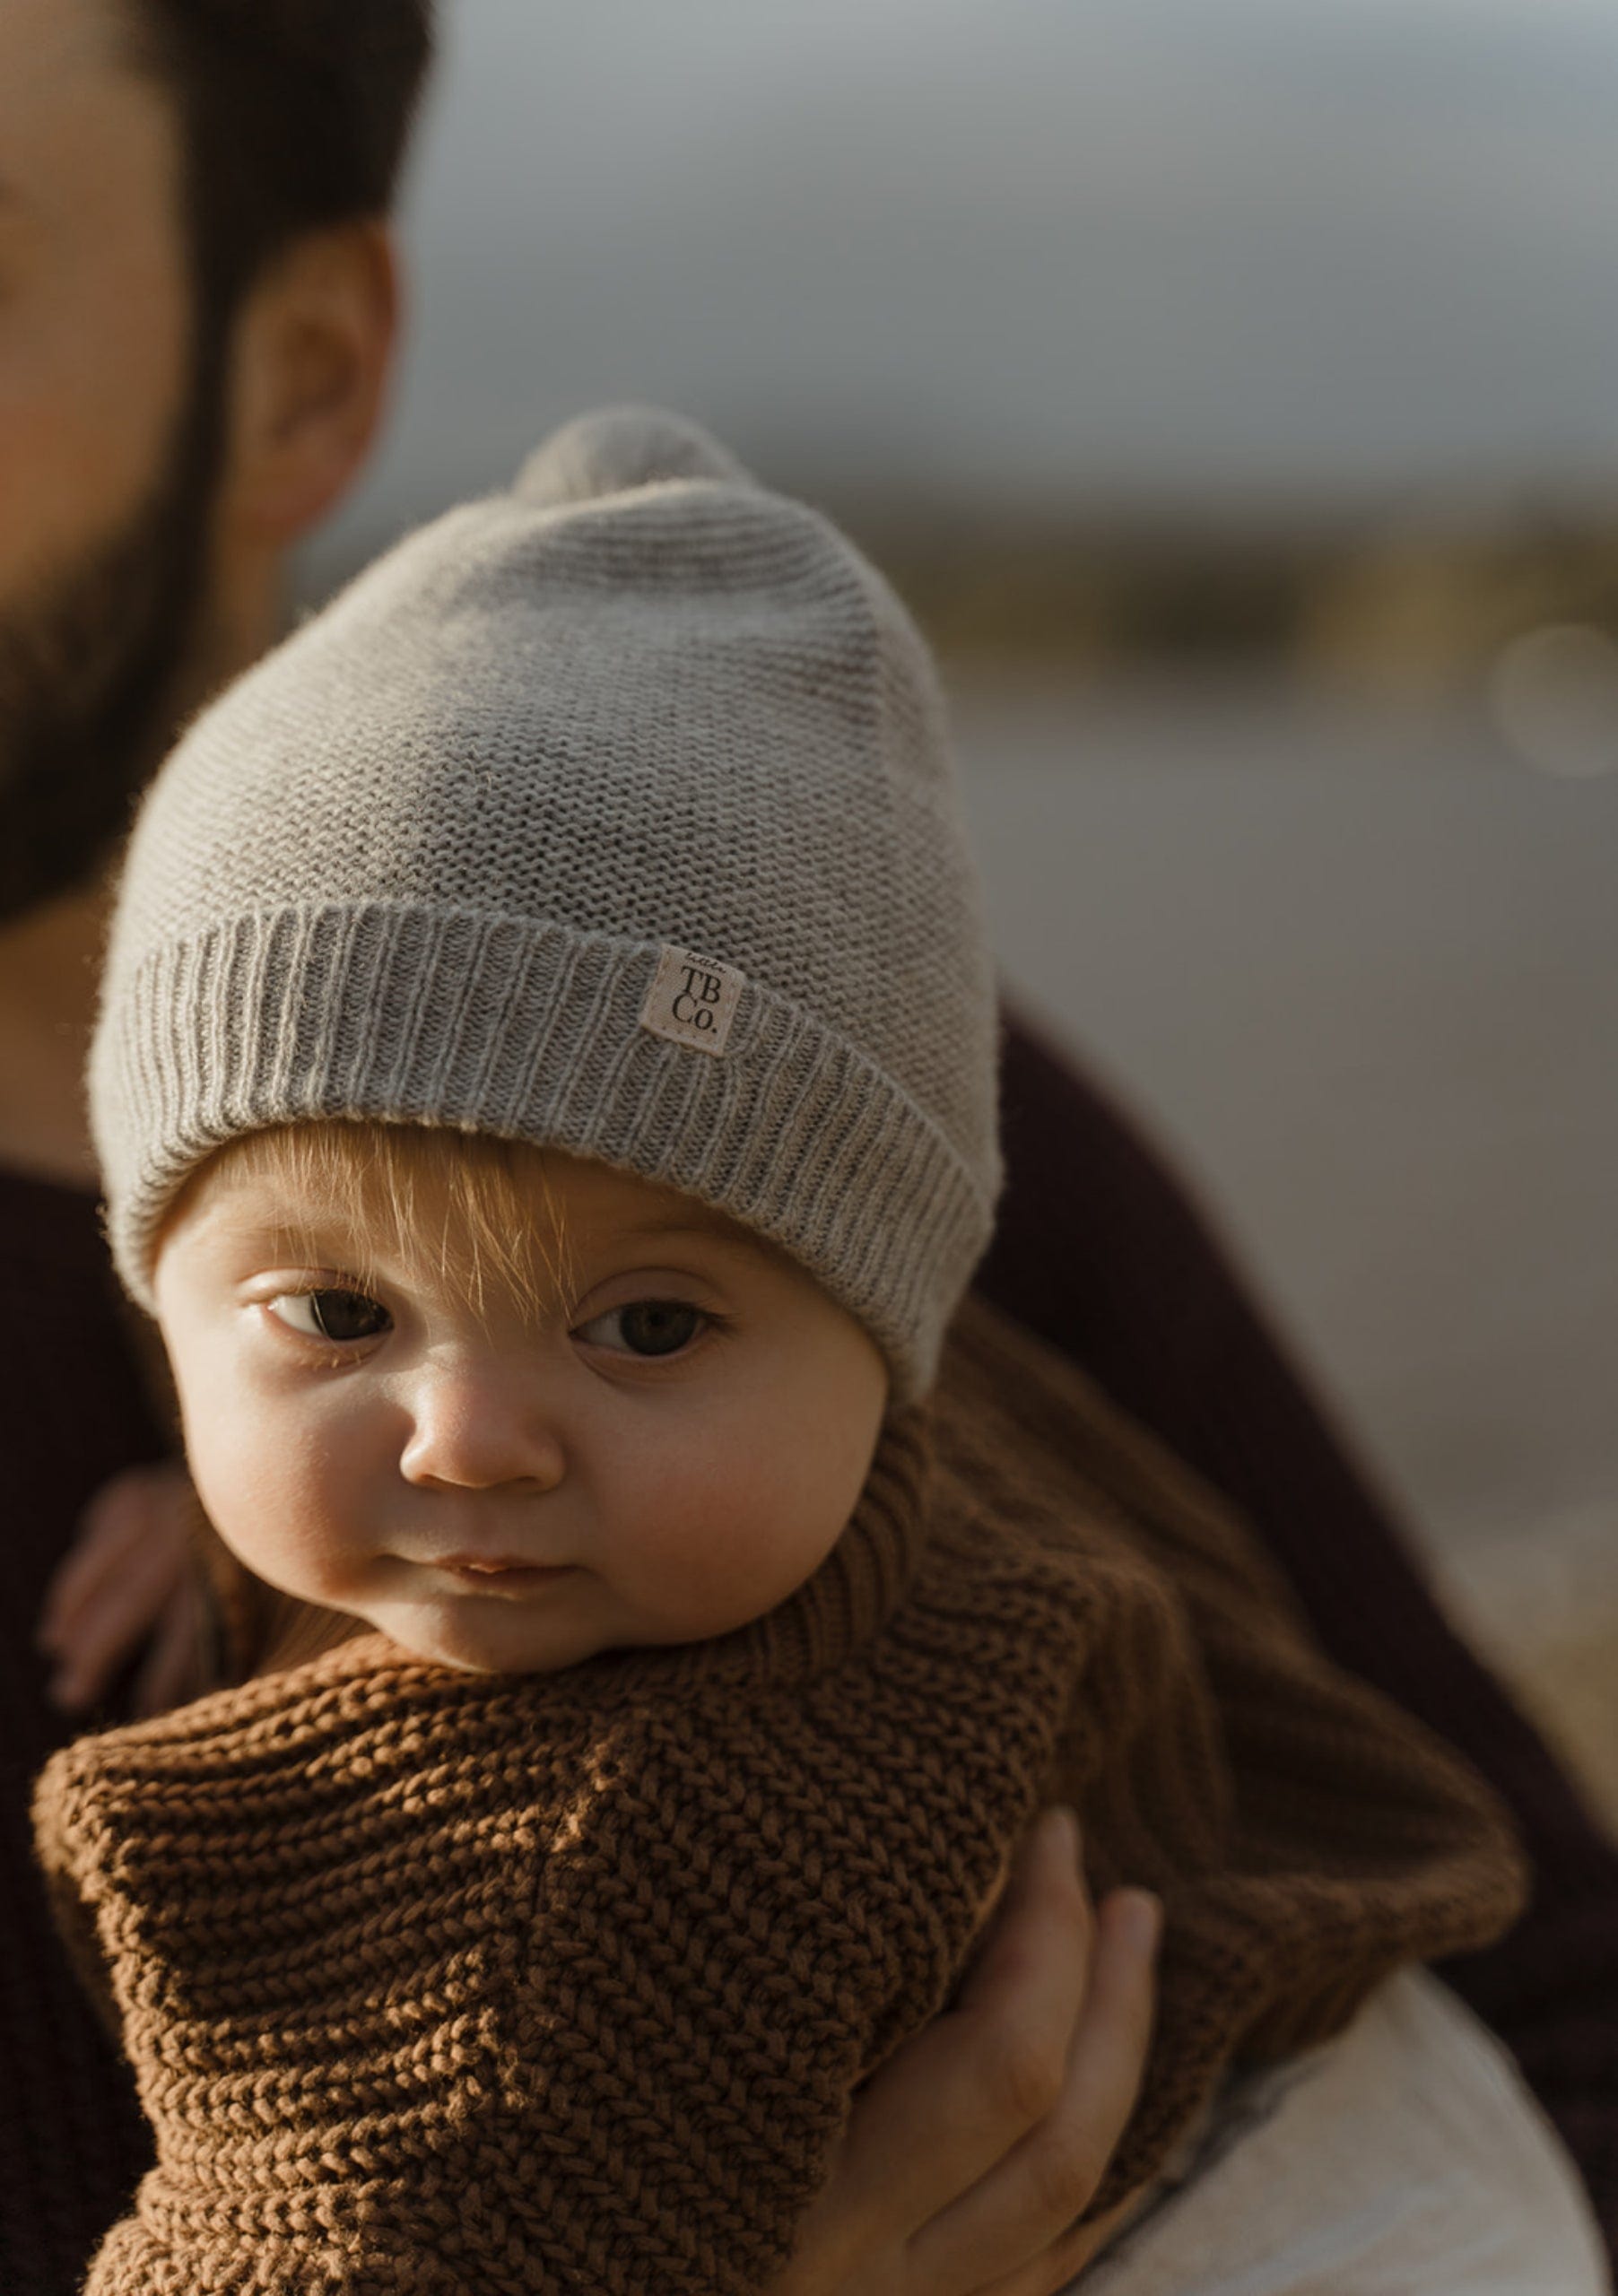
[1067, 1821]
[1142, 1919]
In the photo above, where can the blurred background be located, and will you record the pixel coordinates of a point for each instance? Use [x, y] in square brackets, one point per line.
[1231, 388]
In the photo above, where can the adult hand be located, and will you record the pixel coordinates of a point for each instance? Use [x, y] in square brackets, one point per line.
[127, 1581]
[971, 2152]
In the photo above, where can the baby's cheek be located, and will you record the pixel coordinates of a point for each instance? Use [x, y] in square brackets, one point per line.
[275, 1515]
[714, 1557]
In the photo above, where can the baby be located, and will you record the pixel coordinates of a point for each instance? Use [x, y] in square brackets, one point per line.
[545, 1093]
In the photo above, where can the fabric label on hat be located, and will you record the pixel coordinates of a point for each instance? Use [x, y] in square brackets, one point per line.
[692, 1001]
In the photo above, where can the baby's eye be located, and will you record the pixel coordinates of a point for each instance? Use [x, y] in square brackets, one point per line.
[645, 1327]
[335, 1315]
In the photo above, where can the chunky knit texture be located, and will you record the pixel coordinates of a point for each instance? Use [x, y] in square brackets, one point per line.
[616, 815]
[435, 1982]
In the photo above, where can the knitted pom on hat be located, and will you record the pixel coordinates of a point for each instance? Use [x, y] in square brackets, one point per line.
[616, 815]
[618, 448]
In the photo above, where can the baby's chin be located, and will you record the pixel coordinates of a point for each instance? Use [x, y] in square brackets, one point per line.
[485, 1634]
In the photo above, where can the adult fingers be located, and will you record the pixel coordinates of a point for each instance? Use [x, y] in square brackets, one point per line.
[112, 1527]
[168, 1673]
[133, 1555]
[989, 2069]
[107, 1631]
[1052, 2176]
[961, 2093]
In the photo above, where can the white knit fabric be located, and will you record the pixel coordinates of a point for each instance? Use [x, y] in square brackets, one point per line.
[423, 864]
[1406, 2158]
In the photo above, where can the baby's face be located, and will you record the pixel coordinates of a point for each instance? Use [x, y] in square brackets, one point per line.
[658, 1447]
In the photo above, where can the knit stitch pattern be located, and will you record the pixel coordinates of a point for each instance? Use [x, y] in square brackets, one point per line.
[438, 1982]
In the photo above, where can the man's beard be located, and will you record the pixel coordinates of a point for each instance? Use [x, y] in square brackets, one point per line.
[91, 672]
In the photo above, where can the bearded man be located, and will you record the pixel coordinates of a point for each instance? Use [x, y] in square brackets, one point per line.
[199, 299]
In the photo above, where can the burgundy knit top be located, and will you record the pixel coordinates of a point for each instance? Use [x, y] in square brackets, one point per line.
[73, 1411]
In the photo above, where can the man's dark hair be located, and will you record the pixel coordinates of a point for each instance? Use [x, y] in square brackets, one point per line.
[294, 115]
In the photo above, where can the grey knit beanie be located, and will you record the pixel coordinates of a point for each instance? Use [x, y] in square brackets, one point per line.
[616, 815]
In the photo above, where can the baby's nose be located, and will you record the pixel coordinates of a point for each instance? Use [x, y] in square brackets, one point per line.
[475, 1427]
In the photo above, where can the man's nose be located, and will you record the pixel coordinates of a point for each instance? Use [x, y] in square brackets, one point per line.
[477, 1425]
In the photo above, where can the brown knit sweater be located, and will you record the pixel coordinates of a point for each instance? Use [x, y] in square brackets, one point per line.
[436, 1982]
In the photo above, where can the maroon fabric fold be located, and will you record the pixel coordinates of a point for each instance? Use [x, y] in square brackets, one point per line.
[1102, 1250]
[73, 1411]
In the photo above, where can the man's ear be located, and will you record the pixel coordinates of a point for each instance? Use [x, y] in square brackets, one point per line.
[310, 357]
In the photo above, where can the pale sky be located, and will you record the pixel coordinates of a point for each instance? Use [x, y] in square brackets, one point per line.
[1250, 247]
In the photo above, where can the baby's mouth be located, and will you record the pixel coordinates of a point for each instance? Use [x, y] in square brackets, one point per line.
[497, 1574]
